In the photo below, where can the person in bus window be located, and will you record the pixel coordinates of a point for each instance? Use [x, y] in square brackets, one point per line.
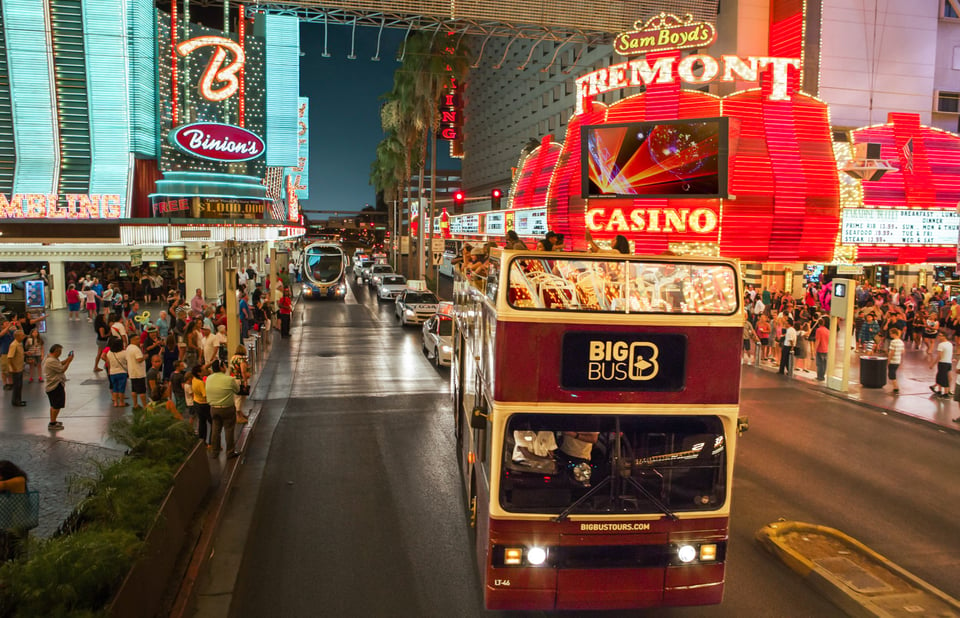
[577, 446]
[558, 244]
[513, 241]
[546, 243]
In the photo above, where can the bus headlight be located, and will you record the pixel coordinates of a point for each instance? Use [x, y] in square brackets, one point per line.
[686, 553]
[536, 556]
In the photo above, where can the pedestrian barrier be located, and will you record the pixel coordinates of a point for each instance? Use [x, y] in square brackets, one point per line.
[19, 512]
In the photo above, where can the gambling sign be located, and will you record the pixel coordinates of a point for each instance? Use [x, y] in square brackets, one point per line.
[664, 32]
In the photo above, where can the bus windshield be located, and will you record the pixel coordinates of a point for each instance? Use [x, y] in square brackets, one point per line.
[324, 266]
[609, 284]
[612, 464]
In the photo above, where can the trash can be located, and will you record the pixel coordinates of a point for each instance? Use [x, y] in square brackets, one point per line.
[873, 371]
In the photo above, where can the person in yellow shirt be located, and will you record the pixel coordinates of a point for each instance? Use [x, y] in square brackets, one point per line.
[200, 406]
[15, 362]
[221, 389]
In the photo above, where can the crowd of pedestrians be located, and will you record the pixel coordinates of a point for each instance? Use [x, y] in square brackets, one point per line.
[160, 356]
[784, 329]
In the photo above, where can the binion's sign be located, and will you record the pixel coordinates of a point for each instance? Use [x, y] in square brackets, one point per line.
[665, 31]
[217, 142]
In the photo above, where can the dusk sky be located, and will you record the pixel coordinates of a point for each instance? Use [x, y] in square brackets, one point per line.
[345, 113]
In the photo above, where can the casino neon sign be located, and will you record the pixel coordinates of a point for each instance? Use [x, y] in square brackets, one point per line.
[638, 72]
[216, 71]
[49, 206]
[668, 220]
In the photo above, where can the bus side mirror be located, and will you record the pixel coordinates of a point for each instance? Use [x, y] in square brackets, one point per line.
[479, 418]
[743, 424]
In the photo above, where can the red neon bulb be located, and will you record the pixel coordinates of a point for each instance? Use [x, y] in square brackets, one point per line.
[174, 116]
[241, 32]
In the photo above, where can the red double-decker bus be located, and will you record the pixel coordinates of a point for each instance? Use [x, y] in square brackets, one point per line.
[596, 400]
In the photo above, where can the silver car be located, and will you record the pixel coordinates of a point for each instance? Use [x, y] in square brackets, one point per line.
[391, 286]
[437, 340]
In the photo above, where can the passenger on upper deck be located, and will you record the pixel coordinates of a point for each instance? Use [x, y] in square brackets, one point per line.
[620, 245]
[546, 244]
[513, 241]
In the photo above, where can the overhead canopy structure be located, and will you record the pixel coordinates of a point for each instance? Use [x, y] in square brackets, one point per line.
[593, 22]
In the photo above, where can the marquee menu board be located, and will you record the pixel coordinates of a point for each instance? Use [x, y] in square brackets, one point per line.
[493, 223]
[532, 222]
[470, 224]
[871, 226]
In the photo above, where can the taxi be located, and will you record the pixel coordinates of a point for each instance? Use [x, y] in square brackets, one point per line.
[416, 306]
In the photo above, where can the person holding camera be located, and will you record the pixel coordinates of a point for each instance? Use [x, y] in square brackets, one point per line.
[54, 374]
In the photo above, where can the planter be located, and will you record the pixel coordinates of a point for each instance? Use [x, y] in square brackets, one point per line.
[145, 585]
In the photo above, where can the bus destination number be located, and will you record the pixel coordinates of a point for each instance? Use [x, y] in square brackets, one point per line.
[501, 582]
[649, 361]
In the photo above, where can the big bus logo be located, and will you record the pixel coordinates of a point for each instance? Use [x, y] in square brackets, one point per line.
[621, 360]
[624, 361]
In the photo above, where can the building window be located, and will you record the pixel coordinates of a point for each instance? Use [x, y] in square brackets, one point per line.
[948, 102]
[950, 9]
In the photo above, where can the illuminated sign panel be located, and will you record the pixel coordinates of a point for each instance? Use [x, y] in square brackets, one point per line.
[872, 226]
[532, 222]
[217, 142]
[469, 224]
[664, 32]
[53, 206]
[677, 159]
[494, 222]
[212, 100]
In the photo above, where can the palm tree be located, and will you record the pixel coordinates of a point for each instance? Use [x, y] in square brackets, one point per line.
[436, 63]
[386, 176]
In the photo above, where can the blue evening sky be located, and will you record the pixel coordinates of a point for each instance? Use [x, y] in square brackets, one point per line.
[345, 113]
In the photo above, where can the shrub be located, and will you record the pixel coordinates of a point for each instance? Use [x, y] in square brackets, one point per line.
[73, 575]
[77, 573]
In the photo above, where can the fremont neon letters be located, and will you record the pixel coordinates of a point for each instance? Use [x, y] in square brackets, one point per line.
[638, 72]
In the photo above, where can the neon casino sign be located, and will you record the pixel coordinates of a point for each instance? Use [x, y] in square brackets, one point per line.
[669, 220]
[216, 71]
[50, 206]
[729, 68]
[663, 32]
[217, 142]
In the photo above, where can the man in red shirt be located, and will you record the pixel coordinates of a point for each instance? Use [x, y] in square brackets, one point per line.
[285, 307]
[822, 342]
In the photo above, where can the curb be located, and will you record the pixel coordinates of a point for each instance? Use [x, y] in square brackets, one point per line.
[801, 382]
[210, 520]
[876, 587]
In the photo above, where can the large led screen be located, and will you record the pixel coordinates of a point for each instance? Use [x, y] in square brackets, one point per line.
[663, 159]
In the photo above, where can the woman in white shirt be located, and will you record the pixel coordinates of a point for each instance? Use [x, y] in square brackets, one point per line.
[117, 371]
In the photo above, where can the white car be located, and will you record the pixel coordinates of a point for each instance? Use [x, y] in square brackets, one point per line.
[437, 341]
[359, 265]
[416, 307]
[391, 286]
[377, 272]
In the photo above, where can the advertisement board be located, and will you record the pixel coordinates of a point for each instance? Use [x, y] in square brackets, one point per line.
[875, 226]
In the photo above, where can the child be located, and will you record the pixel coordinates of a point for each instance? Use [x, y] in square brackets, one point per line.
[33, 354]
[894, 356]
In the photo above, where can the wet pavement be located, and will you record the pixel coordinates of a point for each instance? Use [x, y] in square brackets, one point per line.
[52, 458]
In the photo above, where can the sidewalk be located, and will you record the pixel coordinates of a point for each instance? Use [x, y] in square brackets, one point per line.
[51, 458]
[914, 400]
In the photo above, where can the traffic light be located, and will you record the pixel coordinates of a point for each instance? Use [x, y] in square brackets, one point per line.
[458, 199]
[495, 196]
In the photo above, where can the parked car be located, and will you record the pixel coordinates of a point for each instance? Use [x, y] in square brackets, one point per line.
[391, 286]
[437, 342]
[377, 271]
[415, 306]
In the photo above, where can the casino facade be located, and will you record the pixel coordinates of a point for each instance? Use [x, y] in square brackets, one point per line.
[133, 135]
[692, 142]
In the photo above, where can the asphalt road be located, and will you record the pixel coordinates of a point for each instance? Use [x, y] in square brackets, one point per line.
[360, 512]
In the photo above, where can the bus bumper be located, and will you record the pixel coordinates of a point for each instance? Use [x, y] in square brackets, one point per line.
[608, 589]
